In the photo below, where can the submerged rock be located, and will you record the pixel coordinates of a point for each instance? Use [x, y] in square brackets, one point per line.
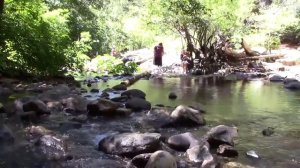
[268, 131]
[221, 134]
[130, 144]
[102, 107]
[138, 104]
[134, 93]
[172, 95]
[161, 159]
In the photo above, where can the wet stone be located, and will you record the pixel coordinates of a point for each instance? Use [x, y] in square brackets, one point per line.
[227, 151]
[268, 131]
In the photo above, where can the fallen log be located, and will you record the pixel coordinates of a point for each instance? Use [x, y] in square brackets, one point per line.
[248, 50]
[135, 78]
[263, 57]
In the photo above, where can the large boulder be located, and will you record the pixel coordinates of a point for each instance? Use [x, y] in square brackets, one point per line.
[161, 159]
[130, 144]
[102, 107]
[138, 104]
[36, 105]
[134, 93]
[183, 141]
[187, 116]
[221, 134]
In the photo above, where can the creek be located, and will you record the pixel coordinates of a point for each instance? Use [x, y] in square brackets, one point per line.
[251, 106]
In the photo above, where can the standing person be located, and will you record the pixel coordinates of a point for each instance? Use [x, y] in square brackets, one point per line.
[184, 57]
[158, 53]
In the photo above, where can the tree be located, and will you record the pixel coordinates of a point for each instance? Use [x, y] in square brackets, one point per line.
[1, 6]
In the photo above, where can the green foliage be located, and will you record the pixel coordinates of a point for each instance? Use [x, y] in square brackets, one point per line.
[109, 64]
[272, 42]
[127, 68]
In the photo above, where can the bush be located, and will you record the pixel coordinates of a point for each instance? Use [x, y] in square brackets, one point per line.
[272, 42]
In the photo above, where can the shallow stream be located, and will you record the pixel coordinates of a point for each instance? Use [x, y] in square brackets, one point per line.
[251, 106]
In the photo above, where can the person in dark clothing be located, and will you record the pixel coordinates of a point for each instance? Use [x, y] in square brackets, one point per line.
[158, 53]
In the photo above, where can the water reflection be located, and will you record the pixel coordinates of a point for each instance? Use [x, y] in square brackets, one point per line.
[250, 105]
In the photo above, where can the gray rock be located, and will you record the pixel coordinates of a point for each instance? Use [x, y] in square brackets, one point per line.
[183, 141]
[294, 85]
[276, 78]
[186, 116]
[161, 159]
[130, 144]
[52, 147]
[200, 154]
[36, 105]
[134, 93]
[221, 135]
[102, 107]
[227, 151]
[74, 104]
[138, 104]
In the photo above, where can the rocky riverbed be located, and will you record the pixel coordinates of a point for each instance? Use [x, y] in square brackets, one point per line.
[64, 123]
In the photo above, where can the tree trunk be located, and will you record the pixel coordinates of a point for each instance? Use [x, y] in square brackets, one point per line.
[1, 6]
[135, 78]
[248, 50]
